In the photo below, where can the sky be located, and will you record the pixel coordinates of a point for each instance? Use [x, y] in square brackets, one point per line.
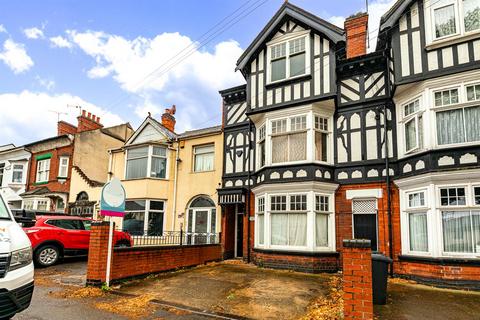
[121, 59]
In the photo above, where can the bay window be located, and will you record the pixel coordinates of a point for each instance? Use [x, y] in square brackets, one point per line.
[452, 196]
[461, 231]
[288, 59]
[473, 93]
[146, 162]
[204, 157]
[321, 138]
[417, 221]
[289, 144]
[476, 195]
[455, 17]
[413, 126]
[261, 146]
[322, 215]
[289, 220]
[302, 221]
[43, 170]
[144, 217]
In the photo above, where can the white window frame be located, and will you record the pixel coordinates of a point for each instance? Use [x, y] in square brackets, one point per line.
[147, 211]
[258, 212]
[262, 137]
[22, 171]
[288, 131]
[149, 162]
[461, 34]
[472, 84]
[196, 152]
[63, 166]
[453, 186]
[327, 131]
[473, 194]
[43, 171]
[420, 207]
[311, 221]
[286, 39]
[414, 116]
[329, 213]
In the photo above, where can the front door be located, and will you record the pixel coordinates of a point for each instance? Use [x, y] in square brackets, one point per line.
[239, 236]
[365, 227]
[200, 224]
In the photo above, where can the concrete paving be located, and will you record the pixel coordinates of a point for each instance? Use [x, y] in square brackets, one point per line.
[409, 301]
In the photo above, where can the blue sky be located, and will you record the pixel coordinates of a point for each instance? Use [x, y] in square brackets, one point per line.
[105, 56]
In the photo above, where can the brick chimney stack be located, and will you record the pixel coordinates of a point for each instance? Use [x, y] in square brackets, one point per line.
[65, 128]
[168, 120]
[87, 122]
[356, 27]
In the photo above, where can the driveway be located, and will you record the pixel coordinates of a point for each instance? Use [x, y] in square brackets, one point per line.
[234, 288]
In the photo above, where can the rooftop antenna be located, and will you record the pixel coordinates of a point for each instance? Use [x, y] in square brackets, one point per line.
[58, 114]
[76, 107]
[368, 33]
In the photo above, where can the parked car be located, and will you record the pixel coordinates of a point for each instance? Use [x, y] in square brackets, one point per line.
[16, 267]
[54, 237]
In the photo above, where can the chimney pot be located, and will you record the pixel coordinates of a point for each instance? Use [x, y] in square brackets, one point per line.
[93, 117]
[84, 113]
[98, 119]
[89, 116]
[356, 28]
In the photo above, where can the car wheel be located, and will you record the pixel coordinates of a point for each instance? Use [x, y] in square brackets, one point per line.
[122, 244]
[47, 255]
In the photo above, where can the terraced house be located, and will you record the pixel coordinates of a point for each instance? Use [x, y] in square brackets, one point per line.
[325, 142]
[170, 180]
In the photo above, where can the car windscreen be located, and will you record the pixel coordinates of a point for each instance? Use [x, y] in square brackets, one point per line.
[4, 215]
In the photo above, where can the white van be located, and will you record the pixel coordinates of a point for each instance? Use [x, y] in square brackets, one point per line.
[16, 266]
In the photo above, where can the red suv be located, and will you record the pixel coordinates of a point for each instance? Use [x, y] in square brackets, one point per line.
[54, 237]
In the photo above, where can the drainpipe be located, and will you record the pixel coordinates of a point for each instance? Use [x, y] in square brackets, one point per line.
[387, 165]
[247, 209]
[177, 159]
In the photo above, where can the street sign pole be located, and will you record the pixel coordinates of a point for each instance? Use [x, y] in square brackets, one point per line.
[109, 254]
[112, 205]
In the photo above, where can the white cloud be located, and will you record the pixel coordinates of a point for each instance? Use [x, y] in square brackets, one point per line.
[376, 9]
[33, 33]
[46, 83]
[2, 29]
[158, 73]
[134, 64]
[60, 42]
[20, 120]
[15, 56]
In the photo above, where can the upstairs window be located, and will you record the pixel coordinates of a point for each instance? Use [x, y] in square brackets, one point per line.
[289, 145]
[288, 59]
[17, 175]
[476, 195]
[413, 126]
[458, 125]
[321, 138]
[204, 158]
[455, 17]
[43, 170]
[63, 167]
[261, 146]
[146, 162]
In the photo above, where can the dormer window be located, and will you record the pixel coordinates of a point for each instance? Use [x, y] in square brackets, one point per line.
[455, 17]
[288, 59]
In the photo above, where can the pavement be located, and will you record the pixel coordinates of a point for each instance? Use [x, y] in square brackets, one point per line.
[411, 301]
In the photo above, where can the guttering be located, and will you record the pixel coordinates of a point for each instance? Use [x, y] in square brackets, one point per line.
[177, 159]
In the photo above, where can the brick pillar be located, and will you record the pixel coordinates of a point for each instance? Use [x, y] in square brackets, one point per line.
[97, 253]
[357, 280]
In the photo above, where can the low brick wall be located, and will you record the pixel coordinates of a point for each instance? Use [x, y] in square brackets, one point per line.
[453, 274]
[140, 261]
[301, 261]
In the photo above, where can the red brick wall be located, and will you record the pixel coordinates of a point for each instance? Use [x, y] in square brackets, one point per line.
[343, 216]
[65, 128]
[440, 274]
[301, 263]
[53, 184]
[356, 28]
[357, 281]
[137, 261]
